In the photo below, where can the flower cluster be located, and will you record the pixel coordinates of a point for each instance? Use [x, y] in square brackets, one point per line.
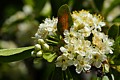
[85, 45]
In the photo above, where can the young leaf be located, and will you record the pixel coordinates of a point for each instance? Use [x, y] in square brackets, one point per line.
[9, 55]
[49, 57]
[64, 19]
[113, 31]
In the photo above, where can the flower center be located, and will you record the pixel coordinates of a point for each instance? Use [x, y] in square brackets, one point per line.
[82, 62]
[63, 60]
[96, 56]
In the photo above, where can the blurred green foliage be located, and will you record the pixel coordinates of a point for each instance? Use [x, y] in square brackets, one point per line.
[20, 20]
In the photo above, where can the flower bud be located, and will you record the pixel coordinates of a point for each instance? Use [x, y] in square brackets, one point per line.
[37, 47]
[41, 41]
[33, 53]
[46, 46]
[39, 54]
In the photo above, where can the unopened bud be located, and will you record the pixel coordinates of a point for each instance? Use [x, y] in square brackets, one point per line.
[33, 53]
[39, 54]
[41, 41]
[46, 46]
[37, 47]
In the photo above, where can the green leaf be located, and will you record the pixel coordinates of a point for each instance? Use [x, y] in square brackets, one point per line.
[115, 57]
[9, 52]
[49, 57]
[113, 31]
[117, 46]
[9, 55]
[64, 19]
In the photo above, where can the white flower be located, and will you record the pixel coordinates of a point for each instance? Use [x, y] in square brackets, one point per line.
[78, 43]
[68, 50]
[107, 43]
[102, 42]
[85, 44]
[79, 47]
[86, 31]
[98, 23]
[98, 59]
[41, 33]
[82, 47]
[70, 36]
[82, 64]
[82, 17]
[49, 27]
[97, 39]
[63, 61]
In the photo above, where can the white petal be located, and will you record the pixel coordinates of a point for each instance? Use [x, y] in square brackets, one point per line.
[75, 63]
[70, 56]
[111, 52]
[64, 67]
[79, 57]
[58, 64]
[103, 57]
[59, 58]
[70, 62]
[87, 67]
[78, 70]
[102, 23]
[62, 49]
[66, 32]
[97, 64]
[66, 40]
